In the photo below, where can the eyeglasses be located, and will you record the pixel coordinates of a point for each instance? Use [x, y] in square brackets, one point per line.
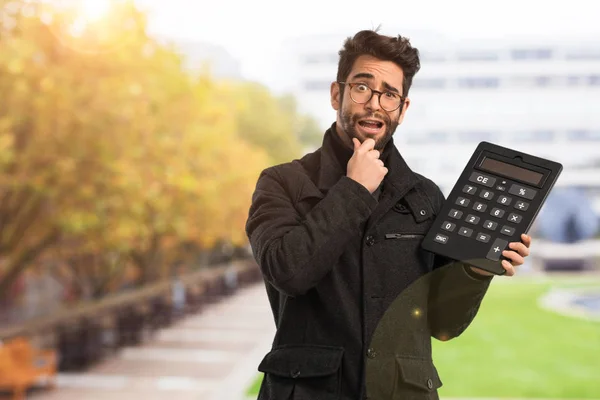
[360, 93]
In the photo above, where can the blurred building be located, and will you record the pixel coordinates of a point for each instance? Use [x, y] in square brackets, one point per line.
[538, 96]
[198, 55]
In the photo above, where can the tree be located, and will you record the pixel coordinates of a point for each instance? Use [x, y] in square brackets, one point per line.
[265, 122]
[111, 153]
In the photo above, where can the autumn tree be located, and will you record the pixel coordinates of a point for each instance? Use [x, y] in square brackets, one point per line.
[112, 154]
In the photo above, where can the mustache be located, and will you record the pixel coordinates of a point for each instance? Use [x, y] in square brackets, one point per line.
[378, 116]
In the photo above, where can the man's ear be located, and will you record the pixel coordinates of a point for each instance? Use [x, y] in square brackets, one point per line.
[404, 108]
[335, 95]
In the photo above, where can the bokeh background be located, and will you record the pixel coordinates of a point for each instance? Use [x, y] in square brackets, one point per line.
[131, 137]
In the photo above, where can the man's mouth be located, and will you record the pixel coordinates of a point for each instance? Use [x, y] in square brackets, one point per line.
[370, 125]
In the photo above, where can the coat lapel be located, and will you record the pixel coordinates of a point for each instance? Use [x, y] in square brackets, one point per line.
[399, 180]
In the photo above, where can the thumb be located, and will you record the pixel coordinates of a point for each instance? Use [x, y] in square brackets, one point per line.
[356, 143]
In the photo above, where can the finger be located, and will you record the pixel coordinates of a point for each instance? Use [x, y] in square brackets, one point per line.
[515, 257]
[380, 163]
[368, 144]
[520, 248]
[374, 153]
[356, 143]
[510, 270]
[526, 240]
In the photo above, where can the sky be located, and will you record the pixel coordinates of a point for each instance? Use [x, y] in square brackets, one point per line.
[253, 31]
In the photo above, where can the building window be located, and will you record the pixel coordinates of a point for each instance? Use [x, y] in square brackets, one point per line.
[483, 56]
[326, 58]
[594, 80]
[542, 81]
[432, 57]
[531, 54]
[535, 136]
[483, 82]
[574, 80]
[432, 83]
[583, 54]
[582, 135]
[438, 137]
[475, 136]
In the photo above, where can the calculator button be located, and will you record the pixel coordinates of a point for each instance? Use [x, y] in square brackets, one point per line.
[443, 239]
[479, 207]
[448, 226]
[505, 200]
[455, 214]
[501, 188]
[497, 212]
[468, 189]
[491, 225]
[522, 191]
[521, 205]
[483, 237]
[465, 231]
[484, 180]
[486, 194]
[461, 201]
[507, 230]
[472, 219]
[516, 218]
[497, 249]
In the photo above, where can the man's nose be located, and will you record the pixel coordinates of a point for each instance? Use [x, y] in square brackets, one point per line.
[373, 104]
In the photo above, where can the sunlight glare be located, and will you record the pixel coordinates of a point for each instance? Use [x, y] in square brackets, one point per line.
[94, 10]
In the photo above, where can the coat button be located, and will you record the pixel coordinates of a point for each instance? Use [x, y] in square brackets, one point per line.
[371, 353]
[370, 240]
[429, 383]
[295, 373]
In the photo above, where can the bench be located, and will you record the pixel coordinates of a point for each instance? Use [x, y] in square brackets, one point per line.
[22, 366]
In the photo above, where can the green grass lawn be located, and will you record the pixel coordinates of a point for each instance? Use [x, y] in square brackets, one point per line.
[516, 349]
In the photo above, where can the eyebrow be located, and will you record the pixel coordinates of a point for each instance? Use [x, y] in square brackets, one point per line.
[366, 75]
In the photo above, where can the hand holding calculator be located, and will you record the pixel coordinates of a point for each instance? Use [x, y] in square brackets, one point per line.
[496, 199]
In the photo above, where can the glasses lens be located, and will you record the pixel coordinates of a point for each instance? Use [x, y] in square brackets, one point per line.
[389, 101]
[361, 93]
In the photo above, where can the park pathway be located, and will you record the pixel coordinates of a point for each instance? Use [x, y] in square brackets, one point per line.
[209, 356]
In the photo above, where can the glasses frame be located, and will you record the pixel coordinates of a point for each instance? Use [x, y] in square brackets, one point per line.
[373, 92]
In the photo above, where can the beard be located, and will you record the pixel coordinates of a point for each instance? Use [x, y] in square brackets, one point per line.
[350, 121]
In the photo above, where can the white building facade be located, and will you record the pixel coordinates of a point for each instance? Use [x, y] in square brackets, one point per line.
[537, 96]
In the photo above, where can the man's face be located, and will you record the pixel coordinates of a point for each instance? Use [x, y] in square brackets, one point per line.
[369, 120]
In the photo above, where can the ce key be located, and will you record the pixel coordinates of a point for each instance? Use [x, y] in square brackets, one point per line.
[482, 179]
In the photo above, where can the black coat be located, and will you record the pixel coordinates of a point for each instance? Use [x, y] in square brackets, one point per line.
[334, 259]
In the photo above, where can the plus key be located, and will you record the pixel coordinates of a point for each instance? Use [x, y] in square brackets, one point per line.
[496, 250]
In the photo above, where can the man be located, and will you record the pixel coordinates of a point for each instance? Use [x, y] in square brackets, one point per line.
[337, 237]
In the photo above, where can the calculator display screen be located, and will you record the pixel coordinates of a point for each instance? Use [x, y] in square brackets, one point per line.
[511, 171]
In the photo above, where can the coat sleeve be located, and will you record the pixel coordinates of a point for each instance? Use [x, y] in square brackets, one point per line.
[295, 253]
[455, 294]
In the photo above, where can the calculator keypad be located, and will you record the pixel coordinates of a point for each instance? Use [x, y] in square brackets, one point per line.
[495, 213]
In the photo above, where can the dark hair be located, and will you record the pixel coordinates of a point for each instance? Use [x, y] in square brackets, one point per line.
[386, 48]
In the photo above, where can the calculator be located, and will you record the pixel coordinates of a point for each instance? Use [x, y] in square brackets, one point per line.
[496, 199]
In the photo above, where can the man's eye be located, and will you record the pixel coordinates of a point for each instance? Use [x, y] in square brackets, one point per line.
[391, 95]
[362, 87]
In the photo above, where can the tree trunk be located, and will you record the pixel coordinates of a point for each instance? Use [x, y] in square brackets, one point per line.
[24, 259]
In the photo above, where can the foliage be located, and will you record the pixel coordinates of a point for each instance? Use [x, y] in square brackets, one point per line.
[111, 151]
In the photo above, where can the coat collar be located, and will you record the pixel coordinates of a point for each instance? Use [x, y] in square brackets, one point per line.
[398, 181]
